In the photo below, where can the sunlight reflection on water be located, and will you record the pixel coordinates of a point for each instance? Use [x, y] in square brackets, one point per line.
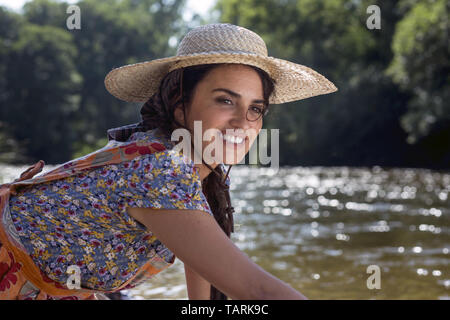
[318, 229]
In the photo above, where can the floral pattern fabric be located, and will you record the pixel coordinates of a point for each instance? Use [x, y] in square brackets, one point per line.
[13, 284]
[81, 218]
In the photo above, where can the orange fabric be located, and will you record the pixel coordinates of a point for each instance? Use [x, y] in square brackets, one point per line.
[17, 266]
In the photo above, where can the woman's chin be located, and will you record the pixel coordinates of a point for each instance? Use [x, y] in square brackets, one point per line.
[234, 154]
[232, 161]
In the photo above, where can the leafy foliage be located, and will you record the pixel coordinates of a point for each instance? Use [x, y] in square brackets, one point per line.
[393, 82]
[366, 121]
[421, 66]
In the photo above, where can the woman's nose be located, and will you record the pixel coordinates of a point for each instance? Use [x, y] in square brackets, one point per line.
[240, 120]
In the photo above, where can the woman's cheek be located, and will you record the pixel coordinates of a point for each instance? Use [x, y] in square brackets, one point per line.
[253, 136]
[250, 144]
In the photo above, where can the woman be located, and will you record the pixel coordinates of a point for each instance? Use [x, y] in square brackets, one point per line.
[114, 218]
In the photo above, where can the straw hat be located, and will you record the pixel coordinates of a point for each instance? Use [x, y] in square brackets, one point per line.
[218, 43]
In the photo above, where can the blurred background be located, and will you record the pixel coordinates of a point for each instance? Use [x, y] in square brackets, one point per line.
[365, 171]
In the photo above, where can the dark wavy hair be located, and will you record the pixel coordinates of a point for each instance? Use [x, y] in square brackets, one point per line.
[177, 90]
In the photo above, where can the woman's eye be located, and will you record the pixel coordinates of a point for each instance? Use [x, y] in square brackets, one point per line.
[224, 100]
[258, 109]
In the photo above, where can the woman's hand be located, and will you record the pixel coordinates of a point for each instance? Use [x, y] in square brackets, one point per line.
[197, 287]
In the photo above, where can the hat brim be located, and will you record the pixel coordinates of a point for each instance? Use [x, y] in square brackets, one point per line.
[138, 82]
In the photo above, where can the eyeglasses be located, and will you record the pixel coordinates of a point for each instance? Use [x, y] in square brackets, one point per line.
[254, 114]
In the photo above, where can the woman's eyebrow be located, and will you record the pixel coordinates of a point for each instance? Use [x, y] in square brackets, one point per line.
[236, 95]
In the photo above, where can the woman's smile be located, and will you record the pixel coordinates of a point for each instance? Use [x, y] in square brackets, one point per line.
[234, 139]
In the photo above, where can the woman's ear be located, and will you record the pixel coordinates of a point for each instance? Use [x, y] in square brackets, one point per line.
[179, 115]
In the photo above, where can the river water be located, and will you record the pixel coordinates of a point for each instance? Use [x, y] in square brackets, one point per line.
[325, 230]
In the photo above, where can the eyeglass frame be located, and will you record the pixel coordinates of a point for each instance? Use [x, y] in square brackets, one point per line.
[261, 115]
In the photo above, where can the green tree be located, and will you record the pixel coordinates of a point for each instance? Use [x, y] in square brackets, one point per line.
[11, 150]
[41, 91]
[53, 96]
[421, 66]
[358, 125]
[9, 25]
[113, 33]
[46, 12]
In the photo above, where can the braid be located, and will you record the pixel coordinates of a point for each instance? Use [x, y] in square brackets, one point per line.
[223, 213]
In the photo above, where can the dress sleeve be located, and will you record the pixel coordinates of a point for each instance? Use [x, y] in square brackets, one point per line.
[163, 180]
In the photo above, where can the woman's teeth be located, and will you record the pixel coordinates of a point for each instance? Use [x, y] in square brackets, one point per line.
[233, 139]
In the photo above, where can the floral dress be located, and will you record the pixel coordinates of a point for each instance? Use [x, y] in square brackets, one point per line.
[75, 218]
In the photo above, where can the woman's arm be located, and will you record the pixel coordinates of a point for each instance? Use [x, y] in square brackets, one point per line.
[197, 240]
[197, 287]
